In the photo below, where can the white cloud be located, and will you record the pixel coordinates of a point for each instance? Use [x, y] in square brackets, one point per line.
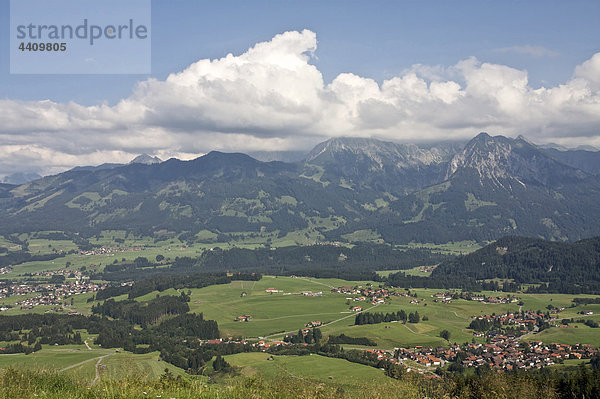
[589, 72]
[535, 51]
[272, 98]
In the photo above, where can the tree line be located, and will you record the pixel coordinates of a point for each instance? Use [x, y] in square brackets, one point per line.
[376, 318]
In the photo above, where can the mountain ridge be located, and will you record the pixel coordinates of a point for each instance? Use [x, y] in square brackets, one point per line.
[398, 193]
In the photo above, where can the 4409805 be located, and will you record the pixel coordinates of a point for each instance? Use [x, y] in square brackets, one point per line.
[42, 46]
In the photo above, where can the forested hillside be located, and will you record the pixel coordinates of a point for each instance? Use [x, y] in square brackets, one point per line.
[561, 267]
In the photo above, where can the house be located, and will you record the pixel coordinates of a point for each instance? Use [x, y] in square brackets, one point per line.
[314, 324]
[434, 360]
[356, 308]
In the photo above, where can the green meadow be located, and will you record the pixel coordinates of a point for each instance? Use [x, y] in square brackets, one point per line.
[82, 362]
[349, 376]
[60, 358]
[125, 364]
[576, 334]
[274, 314]
[415, 271]
[453, 248]
[271, 313]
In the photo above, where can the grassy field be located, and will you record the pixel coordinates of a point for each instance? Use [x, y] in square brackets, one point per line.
[125, 364]
[134, 246]
[415, 271]
[364, 236]
[79, 361]
[271, 313]
[75, 359]
[276, 313]
[287, 311]
[451, 248]
[349, 376]
[579, 334]
[454, 317]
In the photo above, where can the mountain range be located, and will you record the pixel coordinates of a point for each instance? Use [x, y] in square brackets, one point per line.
[346, 189]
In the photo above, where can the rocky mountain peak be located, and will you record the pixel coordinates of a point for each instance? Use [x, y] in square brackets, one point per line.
[380, 154]
[505, 162]
[487, 155]
[146, 159]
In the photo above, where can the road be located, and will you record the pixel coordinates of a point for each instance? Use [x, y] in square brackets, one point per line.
[326, 324]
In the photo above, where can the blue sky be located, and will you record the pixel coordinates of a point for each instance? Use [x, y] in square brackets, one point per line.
[372, 39]
[456, 50]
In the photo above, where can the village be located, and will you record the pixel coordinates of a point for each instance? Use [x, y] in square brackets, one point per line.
[108, 251]
[52, 294]
[447, 297]
[501, 353]
[504, 349]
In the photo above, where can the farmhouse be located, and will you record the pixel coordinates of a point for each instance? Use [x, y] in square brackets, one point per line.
[314, 324]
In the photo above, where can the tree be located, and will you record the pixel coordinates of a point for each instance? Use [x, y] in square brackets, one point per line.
[445, 334]
[595, 361]
[140, 261]
[394, 371]
[317, 334]
[402, 316]
[37, 346]
[219, 364]
[308, 338]
[414, 317]
[57, 279]
[160, 258]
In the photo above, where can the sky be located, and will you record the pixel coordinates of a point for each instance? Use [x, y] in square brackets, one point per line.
[266, 75]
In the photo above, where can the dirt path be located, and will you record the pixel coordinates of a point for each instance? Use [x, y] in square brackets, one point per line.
[456, 314]
[86, 344]
[80, 363]
[411, 330]
[296, 315]
[314, 282]
[97, 377]
[280, 367]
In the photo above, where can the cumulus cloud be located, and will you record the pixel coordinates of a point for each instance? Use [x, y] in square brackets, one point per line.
[272, 98]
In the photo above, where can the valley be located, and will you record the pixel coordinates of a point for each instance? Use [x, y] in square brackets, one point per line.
[366, 263]
[280, 305]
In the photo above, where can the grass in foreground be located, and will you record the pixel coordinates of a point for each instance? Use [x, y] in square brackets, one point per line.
[18, 383]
